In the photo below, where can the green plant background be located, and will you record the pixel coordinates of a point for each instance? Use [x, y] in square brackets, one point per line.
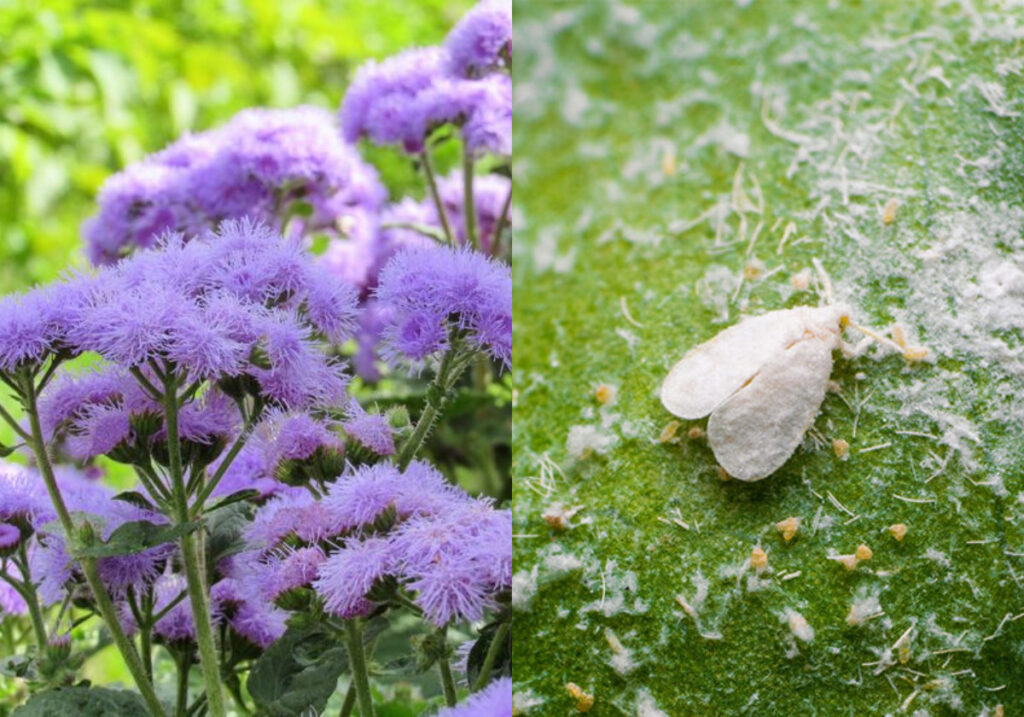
[86, 88]
[769, 115]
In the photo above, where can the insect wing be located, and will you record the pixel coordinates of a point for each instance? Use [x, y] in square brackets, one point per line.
[756, 431]
[713, 371]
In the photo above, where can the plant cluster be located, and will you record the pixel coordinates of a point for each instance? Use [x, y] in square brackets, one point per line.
[276, 352]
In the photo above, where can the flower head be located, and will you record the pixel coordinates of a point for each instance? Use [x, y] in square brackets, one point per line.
[370, 429]
[476, 43]
[430, 292]
[381, 101]
[258, 164]
[493, 701]
[348, 575]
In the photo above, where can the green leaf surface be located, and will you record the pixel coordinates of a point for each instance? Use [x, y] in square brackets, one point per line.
[135, 537]
[83, 702]
[297, 673]
[680, 165]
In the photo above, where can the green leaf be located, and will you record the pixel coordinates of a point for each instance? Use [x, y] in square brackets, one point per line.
[238, 496]
[135, 537]
[225, 528]
[297, 673]
[83, 702]
[137, 499]
[478, 653]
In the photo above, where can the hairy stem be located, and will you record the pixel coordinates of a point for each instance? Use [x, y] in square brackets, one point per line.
[447, 680]
[453, 363]
[183, 670]
[350, 701]
[31, 598]
[499, 228]
[104, 604]
[357, 659]
[229, 458]
[468, 209]
[492, 654]
[428, 169]
[197, 593]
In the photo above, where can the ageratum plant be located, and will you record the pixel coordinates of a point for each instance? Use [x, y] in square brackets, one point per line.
[297, 423]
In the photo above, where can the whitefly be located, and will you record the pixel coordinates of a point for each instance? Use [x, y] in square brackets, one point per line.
[762, 382]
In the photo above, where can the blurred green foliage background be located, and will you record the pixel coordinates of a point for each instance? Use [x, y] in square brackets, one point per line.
[87, 88]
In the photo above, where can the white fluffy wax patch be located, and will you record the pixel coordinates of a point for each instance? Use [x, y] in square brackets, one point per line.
[762, 381]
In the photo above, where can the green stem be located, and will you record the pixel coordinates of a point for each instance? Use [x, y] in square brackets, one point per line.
[438, 204]
[14, 425]
[104, 604]
[350, 701]
[357, 659]
[208, 661]
[232, 453]
[447, 680]
[499, 228]
[30, 597]
[453, 363]
[468, 209]
[492, 654]
[183, 670]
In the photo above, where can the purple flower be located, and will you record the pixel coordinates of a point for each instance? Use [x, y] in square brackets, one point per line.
[293, 513]
[11, 603]
[348, 575]
[10, 536]
[450, 589]
[178, 624]
[299, 376]
[283, 569]
[493, 701]
[476, 43]
[370, 429]
[283, 436]
[257, 620]
[381, 102]
[358, 498]
[22, 496]
[429, 292]
[259, 164]
[214, 306]
[488, 127]
[34, 325]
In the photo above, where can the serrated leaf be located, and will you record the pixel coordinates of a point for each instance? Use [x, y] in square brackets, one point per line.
[134, 537]
[137, 499]
[297, 673]
[83, 702]
[238, 496]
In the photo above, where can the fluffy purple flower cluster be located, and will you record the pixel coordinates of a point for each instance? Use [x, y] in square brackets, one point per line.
[493, 701]
[257, 165]
[428, 292]
[401, 99]
[451, 551]
[91, 413]
[240, 302]
[481, 38]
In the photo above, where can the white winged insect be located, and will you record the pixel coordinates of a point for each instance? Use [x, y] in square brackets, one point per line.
[762, 381]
